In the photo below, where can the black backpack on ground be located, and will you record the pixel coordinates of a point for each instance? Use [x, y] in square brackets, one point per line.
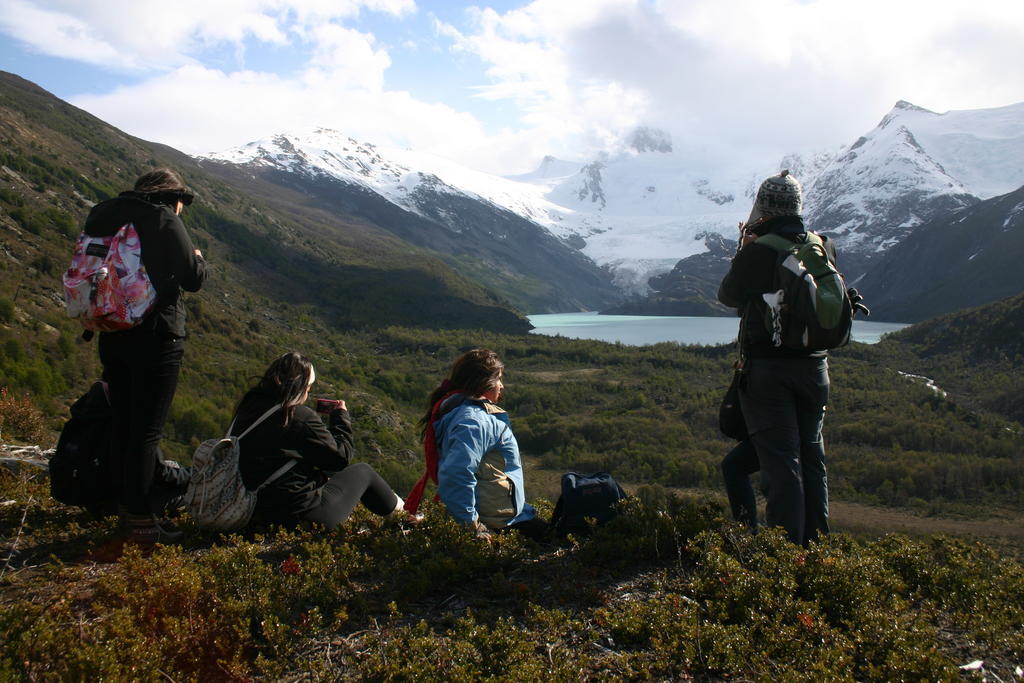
[81, 472]
[79, 469]
[583, 496]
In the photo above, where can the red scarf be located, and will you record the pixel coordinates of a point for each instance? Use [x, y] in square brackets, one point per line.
[430, 458]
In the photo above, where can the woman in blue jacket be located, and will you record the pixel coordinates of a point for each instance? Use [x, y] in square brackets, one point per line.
[479, 469]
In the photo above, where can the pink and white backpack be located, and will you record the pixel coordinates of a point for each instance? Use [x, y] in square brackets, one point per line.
[106, 287]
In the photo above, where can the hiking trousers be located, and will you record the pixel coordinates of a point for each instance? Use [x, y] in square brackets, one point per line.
[783, 402]
[141, 370]
[737, 466]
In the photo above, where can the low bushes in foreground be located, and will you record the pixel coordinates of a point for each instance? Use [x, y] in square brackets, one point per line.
[667, 590]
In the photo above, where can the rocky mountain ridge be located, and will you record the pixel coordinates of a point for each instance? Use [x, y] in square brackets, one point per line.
[641, 209]
[56, 161]
[915, 166]
[486, 227]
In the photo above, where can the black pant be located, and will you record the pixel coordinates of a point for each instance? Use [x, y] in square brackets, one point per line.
[535, 528]
[142, 372]
[784, 406]
[345, 489]
[737, 466]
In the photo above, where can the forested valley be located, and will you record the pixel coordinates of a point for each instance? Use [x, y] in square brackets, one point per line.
[927, 423]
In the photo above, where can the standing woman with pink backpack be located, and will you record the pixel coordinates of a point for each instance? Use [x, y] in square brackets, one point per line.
[141, 364]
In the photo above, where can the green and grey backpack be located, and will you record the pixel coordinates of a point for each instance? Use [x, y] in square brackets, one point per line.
[809, 307]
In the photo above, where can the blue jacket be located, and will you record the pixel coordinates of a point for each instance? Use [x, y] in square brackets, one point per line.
[479, 471]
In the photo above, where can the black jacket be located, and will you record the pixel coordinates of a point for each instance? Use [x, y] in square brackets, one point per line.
[167, 253]
[751, 274]
[321, 450]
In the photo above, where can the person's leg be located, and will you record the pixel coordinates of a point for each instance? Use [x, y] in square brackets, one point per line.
[737, 466]
[813, 390]
[769, 408]
[117, 375]
[154, 380]
[354, 484]
[169, 486]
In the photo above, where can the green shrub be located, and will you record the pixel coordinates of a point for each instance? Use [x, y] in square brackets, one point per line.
[20, 419]
[6, 310]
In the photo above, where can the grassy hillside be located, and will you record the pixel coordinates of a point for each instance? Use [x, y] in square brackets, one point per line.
[667, 591]
[977, 355]
[670, 591]
[57, 161]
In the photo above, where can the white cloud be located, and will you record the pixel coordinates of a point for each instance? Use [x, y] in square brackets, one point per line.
[568, 77]
[744, 76]
[346, 58]
[198, 109]
[57, 34]
[163, 35]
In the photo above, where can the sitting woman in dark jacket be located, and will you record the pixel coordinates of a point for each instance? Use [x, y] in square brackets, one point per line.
[322, 486]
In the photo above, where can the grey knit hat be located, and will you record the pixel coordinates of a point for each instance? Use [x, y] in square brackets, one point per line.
[779, 195]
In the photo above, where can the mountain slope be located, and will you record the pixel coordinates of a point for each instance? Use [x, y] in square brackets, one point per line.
[916, 166]
[967, 258]
[482, 225]
[976, 354]
[992, 332]
[57, 161]
[888, 182]
[688, 289]
[633, 212]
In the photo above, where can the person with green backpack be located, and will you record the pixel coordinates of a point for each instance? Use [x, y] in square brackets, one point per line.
[793, 307]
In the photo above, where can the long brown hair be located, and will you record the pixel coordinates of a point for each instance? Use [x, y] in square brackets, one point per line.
[286, 379]
[163, 186]
[473, 373]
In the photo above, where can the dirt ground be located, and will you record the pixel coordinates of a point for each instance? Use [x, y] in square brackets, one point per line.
[1004, 529]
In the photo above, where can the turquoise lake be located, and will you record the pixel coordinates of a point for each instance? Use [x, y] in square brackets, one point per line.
[638, 330]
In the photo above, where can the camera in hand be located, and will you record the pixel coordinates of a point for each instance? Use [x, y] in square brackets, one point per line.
[328, 405]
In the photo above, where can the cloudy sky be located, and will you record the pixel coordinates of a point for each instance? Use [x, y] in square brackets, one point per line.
[500, 84]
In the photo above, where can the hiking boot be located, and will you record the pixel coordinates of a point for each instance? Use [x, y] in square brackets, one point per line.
[175, 507]
[146, 530]
[404, 520]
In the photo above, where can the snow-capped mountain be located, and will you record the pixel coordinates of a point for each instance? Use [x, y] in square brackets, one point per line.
[638, 210]
[642, 209]
[962, 259]
[915, 165]
[490, 228]
[635, 213]
[645, 208]
[398, 175]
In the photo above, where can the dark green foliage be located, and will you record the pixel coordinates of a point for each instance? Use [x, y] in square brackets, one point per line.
[35, 367]
[669, 592]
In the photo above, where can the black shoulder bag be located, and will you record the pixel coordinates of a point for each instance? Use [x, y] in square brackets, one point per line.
[730, 416]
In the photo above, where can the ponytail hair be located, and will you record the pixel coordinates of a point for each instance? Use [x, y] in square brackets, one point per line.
[287, 379]
[474, 373]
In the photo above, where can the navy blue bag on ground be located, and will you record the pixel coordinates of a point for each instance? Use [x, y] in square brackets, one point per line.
[583, 496]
